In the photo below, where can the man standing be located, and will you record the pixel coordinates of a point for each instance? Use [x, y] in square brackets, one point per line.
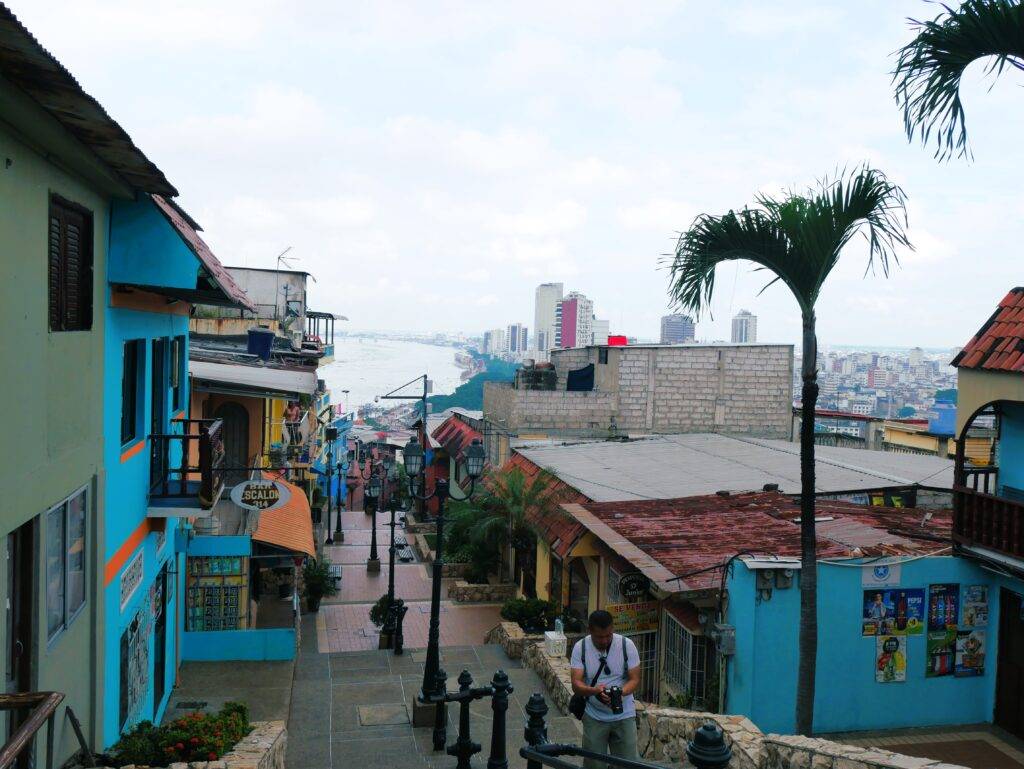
[600, 660]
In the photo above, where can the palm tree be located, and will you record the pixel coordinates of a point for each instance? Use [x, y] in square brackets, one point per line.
[798, 238]
[509, 501]
[930, 67]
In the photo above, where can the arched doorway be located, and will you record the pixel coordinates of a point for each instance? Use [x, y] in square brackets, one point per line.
[236, 440]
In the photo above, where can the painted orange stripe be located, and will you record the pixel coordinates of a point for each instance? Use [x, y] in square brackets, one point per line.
[120, 558]
[179, 415]
[131, 452]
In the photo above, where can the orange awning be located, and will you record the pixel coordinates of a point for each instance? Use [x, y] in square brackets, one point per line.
[289, 526]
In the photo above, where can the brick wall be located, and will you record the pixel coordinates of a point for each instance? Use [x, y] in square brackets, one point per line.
[568, 360]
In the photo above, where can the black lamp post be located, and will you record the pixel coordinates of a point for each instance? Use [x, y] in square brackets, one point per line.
[388, 630]
[432, 691]
[330, 436]
[372, 494]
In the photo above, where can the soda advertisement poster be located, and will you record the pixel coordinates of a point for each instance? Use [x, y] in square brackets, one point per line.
[943, 606]
[898, 611]
[941, 650]
[890, 659]
[975, 606]
[970, 653]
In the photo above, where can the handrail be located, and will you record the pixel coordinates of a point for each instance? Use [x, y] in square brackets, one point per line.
[209, 467]
[44, 705]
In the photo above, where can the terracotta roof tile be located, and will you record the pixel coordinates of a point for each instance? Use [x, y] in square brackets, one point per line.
[1002, 334]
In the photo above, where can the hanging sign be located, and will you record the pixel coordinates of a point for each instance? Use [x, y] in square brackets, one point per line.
[260, 494]
[880, 575]
[633, 587]
[634, 617]
[131, 579]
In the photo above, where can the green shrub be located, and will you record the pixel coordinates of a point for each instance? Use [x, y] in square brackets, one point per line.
[316, 576]
[379, 611]
[532, 614]
[194, 737]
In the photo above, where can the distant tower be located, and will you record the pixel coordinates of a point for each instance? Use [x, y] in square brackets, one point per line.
[576, 321]
[676, 329]
[547, 300]
[517, 338]
[744, 327]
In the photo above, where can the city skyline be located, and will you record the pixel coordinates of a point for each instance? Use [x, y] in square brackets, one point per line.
[442, 199]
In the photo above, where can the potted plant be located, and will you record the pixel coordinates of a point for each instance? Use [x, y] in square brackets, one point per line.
[316, 576]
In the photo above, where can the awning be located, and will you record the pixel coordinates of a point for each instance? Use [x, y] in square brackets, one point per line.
[243, 379]
[289, 526]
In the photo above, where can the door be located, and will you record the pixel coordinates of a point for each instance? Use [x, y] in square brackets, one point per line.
[19, 615]
[579, 589]
[158, 412]
[236, 440]
[1010, 668]
[159, 639]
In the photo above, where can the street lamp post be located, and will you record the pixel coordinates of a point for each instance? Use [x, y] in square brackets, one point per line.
[432, 690]
[330, 436]
[388, 630]
[373, 495]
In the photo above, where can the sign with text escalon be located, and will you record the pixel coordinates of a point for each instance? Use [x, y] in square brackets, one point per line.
[260, 494]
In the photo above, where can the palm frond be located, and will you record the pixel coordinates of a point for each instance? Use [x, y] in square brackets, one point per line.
[796, 237]
[929, 69]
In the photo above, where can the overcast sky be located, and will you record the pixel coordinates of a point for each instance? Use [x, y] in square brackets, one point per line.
[431, 162]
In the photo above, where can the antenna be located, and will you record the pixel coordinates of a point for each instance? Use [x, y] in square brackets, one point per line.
[277, 281]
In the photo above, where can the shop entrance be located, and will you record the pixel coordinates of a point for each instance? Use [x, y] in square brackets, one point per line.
[1010, 667]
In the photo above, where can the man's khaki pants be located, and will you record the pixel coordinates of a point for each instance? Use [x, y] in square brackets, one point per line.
[615, 737]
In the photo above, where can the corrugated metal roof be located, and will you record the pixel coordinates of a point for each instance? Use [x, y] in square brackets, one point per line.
[671, 466]
[188, 229]
[34, 70]
[255, 377]
[999, 344]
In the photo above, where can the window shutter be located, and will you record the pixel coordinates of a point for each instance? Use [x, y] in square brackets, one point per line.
[56, 280]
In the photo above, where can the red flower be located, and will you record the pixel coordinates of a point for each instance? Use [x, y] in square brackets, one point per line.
[212, 756]
[194, 740]
[179, 746]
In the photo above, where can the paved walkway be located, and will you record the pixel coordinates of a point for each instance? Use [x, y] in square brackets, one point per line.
[978, 746]
[350, 703]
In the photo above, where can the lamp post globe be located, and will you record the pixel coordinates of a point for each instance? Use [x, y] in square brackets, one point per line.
[475, 457]
[412, 456]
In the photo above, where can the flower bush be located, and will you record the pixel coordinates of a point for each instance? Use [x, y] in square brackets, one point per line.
[194, 737]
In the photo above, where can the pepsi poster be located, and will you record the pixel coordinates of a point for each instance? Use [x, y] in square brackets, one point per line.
[943, 606]
[898, 611]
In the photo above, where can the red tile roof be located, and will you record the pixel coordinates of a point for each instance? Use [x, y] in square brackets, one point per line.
[696, 536]
[187, 228]
[559, 529]
[999, 344]
[455, 435]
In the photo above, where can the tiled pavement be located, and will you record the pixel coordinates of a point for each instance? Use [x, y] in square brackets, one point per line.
[978, 746]
[331, 694]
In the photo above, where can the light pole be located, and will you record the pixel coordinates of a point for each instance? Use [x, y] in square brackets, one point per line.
[372, 496]
[391, 396]
[330, 435]
[388, 630]
[432, 690]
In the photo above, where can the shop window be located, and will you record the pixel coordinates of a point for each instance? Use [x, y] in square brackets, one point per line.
[612, 586]
[131, 389]
[69, 256]
[65, 563]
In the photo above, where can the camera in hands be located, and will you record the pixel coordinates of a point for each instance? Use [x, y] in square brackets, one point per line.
[615, 696]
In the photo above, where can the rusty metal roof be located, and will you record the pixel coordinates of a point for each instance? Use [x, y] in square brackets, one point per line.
[35, 71]
[188, 229]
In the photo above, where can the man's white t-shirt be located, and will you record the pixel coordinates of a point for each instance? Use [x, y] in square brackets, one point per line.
[612, 673]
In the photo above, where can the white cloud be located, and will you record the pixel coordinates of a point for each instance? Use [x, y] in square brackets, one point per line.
[661, 215]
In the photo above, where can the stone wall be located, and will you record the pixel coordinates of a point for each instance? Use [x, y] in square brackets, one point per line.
[263, 748]
[662, 733]
[461, 591]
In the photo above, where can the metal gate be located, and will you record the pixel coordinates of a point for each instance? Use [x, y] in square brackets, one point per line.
[647, 646]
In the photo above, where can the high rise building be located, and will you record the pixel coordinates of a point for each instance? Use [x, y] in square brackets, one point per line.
[602, 329]
[916, 356]
[494, 342]
[676, 329]
[744, 327]
[517, 338]
[576, 321]
[547, 299]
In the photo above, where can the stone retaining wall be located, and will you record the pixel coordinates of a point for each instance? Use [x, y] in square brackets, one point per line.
[263, 748]
[419, 527]
[461, 591]
[418, 543]
[662, 733]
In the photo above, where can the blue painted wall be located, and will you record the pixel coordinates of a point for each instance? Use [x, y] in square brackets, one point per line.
[144, 249]
[762, 675]
[231, 645]
[1010, 459]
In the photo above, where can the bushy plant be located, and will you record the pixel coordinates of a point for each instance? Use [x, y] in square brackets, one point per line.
[379, 611]
[194, 737]
[316, 576]
[532, 614]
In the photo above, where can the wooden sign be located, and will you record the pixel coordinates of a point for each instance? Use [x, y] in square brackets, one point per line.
[633, 587]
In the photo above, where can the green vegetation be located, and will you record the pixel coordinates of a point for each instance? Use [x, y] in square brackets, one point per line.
[195, 737]
[906, 412]
[532, 614]
[316, 576]
[946, 396]
[470, 394]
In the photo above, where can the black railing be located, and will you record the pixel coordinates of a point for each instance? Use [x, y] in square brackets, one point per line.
[203, 481]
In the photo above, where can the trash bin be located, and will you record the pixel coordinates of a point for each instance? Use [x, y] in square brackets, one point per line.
[261, 341]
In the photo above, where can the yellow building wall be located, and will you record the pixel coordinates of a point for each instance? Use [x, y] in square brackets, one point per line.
[543, 570]
[979, 388]
[912, 440]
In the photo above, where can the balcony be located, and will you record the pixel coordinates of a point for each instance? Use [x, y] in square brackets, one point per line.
[177, 487]
[988, 522]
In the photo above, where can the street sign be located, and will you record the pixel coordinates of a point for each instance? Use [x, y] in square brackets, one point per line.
[260, 494]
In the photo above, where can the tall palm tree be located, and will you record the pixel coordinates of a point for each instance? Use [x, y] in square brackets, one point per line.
[930, 67]
[799, 239]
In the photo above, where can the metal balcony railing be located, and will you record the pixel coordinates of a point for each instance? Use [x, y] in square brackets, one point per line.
[988, 521]
[201, 483]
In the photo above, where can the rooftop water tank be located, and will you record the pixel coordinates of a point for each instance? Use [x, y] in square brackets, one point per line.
[261, 341]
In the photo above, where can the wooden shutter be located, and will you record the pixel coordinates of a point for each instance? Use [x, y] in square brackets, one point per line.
[70, 267]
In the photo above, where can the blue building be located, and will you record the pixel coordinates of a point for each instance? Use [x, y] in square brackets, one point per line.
[160, 466]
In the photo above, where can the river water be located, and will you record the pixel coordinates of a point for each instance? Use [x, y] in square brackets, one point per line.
[367, 367]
